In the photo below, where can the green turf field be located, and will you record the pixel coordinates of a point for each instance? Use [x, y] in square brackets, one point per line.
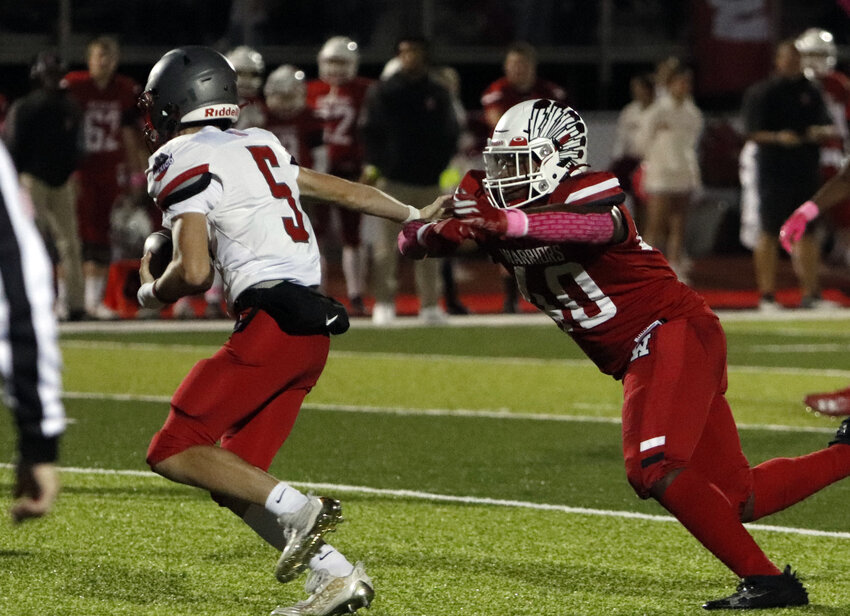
[479, 468]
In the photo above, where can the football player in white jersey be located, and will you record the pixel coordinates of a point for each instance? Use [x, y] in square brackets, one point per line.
[234, 194]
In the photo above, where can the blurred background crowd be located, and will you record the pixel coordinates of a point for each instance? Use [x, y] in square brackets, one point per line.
[669, 88]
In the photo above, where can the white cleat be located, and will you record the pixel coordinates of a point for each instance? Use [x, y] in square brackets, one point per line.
[330, 595]
[303, 531]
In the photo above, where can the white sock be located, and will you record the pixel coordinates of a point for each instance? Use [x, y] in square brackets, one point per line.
[95, 286]
[284, 499]
[328, 557]
[264, 523]
[352, 270]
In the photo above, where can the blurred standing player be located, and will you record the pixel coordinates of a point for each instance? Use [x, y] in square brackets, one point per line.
[818, 56]
[250, 73]
[237, 193]
[336, 97]
[834, 193]
[290, 119]
[562, 230]
[43, 136]
[113, 161]
[30, 363]
[519, 83]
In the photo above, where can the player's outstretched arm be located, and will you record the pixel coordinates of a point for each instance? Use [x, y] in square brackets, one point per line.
[363, 198]
[833, 192]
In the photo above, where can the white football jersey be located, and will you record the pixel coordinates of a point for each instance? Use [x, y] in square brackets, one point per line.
[244, 182]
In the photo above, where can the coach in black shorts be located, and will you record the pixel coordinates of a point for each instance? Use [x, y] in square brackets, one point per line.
[786, 117]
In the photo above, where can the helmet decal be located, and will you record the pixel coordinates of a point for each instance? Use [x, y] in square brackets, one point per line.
[534, 145]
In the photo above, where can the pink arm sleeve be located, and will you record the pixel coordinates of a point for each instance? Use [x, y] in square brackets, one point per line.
[560, 227]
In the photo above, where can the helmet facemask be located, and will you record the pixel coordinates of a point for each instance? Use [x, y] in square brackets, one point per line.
[161, 129]
[519, 171]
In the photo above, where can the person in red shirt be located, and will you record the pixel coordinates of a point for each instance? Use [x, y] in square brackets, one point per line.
[292, 122]
[563, 232]
[114, 159]
[337, 97]
[519, 83]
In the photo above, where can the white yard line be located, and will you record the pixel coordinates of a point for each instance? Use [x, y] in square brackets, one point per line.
[472, 500]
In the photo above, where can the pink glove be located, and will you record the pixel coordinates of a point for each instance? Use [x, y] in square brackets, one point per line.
[795, 226]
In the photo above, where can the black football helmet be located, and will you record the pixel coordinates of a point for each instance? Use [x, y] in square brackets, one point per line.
[188, 86]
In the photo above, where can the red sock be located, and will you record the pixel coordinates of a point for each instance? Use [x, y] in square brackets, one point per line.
[709, 516]
[781, 482]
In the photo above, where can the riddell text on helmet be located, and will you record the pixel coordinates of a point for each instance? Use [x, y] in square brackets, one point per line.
[213, 112]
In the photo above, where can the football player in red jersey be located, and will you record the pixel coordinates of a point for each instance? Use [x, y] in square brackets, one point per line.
[113, 162]
[292, 122]
[563, 232]
[250, 68]
[337, 98]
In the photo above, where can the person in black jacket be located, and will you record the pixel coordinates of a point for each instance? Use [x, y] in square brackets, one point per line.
[28, 346]
[410, 131]
[44, 139]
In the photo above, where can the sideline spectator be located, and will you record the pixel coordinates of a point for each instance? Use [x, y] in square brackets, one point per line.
[337, 98]
[113, 162]
[519, 83]
[785, 116]
[410, 132]
[671, 175]
[626, 153]
[44, 139]
[30, 362]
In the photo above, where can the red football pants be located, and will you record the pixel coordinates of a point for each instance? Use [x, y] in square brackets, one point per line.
[675, 413]
[247, 395]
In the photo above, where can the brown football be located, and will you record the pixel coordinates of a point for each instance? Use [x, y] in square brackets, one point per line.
[159, 245]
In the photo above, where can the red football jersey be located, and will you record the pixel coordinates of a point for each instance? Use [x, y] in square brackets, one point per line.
[339, 109]
[105, 112]
[501, 95]
[604, 296]
[300, 134]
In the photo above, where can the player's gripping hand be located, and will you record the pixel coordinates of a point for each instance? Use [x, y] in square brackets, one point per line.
[492, 221]
[435, 210]
[35, 491]
[795, 226]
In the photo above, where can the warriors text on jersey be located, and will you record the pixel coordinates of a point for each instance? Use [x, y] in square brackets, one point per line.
[604, 296]
[245, 184]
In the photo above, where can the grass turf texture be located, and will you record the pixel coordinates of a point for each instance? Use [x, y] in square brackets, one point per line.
[136, 544]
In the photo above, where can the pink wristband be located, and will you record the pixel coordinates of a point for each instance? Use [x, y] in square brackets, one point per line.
[517, 223]
[809, 210]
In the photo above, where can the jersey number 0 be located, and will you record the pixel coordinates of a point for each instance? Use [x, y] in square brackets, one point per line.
[265, 158]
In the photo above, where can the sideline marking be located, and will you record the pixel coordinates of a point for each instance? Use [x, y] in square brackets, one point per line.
[473, 500]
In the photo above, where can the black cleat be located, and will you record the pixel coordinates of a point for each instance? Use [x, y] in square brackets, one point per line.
[763, 591]
[842, 435]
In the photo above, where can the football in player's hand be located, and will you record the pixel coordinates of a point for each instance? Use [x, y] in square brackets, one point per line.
[159, 245]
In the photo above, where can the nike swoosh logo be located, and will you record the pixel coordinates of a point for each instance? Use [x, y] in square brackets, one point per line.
[279, 498]
[331, 320]
[322, 557]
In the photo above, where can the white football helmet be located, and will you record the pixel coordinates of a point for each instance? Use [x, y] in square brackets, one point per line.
[285, 90]
[338, 60]
[818, 52]
[249, 66]
[534, 145]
